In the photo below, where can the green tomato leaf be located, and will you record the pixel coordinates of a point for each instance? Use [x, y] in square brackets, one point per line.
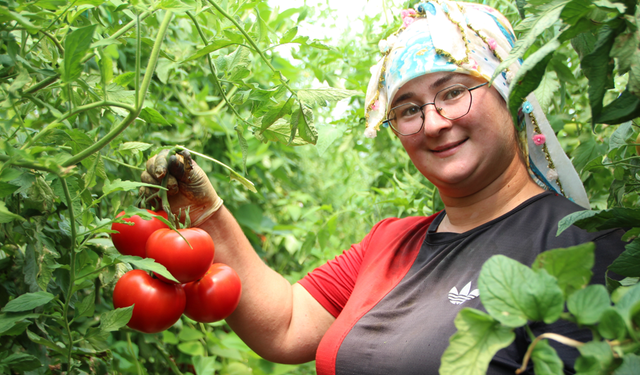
[628, 263]
[213, 46]
[627, 303]
[595, 358]
[152, 116]
[190, 334]
[630, 365]
[204, 365]
[115, 319]
[620, 136]
[28, 301]
[612, 326]
[8, 320]
[44, 342]
[134, 146]
[147, 264]
[76, 45]
[302, 121]
[119, 185]
[529, 75]
[238, 63]
[549, 16]
[547, 90]
[23, 21]
[598, 68]
[324, 96]
[625, 107]
[327, 134]
[623, 50]
[478, 339]
[169, 337]
[192, 348]
[289, 35]
[570, 266]
[7, 216]
[175, 6]
[87, 306]
[593, 221]
[280, 132]
[512, 293]
[21, 362]
[546, 360]
[588, 304]
[276, 113]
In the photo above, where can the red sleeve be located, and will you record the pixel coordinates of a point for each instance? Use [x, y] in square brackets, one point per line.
[332, 283]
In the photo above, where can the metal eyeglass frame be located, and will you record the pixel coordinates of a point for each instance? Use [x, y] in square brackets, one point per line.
[421, 107]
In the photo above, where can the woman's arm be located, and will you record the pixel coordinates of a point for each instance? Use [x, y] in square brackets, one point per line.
[279, 321]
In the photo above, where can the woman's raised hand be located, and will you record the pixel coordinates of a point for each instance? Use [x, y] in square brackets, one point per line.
[188, 186]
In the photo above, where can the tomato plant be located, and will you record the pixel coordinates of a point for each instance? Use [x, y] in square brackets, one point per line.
[186, 260]
[157, 305]
[131, 239]
[215, 296]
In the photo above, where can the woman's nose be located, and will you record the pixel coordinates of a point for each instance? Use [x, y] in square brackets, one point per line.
[434, 123]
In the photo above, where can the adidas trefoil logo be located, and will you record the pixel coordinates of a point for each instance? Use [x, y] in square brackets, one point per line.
[464, 295]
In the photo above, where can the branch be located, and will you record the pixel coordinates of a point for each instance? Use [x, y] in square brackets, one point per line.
[214, 71]
[75, 111]
[253, 44]
[151, 67]
[553, 336]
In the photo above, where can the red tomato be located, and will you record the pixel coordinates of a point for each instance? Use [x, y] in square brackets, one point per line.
[158, 305]
[215, 296]
[185, 263]
[131, 239]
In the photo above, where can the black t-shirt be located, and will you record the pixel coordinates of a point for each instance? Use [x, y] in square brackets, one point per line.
[407, 331]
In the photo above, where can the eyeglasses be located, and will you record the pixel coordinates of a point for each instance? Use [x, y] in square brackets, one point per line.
[451, 103]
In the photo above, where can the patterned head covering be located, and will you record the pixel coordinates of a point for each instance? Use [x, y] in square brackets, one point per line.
[448, 36]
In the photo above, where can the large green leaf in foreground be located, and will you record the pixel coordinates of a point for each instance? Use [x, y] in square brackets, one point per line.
[478, 339]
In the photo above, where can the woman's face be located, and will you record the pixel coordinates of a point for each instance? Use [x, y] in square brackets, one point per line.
[463, 156]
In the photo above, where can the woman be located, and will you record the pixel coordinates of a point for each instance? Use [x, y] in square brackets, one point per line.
[386, 306]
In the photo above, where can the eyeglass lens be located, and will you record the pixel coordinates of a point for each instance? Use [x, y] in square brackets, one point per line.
[451, 103]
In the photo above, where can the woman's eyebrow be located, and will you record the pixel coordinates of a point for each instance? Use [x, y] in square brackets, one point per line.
[403, 97]
[441, 81]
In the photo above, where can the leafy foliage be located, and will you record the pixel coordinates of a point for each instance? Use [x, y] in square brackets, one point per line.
[91, 89]
[604, 37]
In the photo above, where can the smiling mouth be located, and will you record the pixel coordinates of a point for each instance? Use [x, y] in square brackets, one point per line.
[449, 146]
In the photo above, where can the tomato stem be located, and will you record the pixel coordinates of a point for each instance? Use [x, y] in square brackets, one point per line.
[133, 354]
[72, 272]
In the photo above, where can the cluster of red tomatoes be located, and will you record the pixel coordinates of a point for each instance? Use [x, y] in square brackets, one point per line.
[207, 291]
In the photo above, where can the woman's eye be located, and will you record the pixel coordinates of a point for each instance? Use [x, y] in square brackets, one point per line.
[453, 93]
[410, 111]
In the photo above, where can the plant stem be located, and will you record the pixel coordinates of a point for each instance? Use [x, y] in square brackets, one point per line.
[55, 41]
[24, 164]
[553, 336]
[115, 35]
[168, 359]
[214, 71]
[72, 270]
[77, 110]
[253, 44]
[248, 184]
[151, 67]
[138, 53]
[133, 354]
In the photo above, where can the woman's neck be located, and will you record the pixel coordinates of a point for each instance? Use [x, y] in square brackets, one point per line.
[498, 198]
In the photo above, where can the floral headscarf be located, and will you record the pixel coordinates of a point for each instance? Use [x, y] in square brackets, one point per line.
[448, 36]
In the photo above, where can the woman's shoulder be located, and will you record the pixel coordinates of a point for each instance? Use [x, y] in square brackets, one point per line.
[404, 224]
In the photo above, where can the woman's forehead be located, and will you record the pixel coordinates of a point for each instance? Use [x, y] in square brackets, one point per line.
[432, 83]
